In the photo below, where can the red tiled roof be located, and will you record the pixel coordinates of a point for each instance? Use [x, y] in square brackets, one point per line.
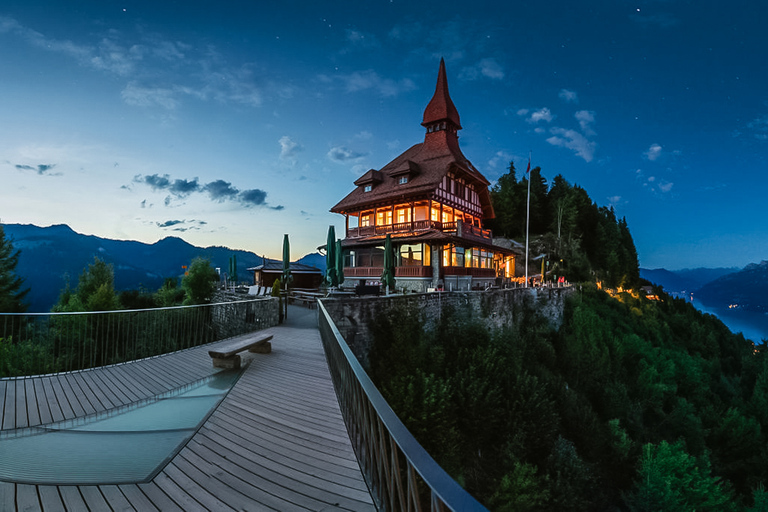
[425, 164]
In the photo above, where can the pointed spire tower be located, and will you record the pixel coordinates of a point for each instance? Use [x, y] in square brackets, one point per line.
[441, 119]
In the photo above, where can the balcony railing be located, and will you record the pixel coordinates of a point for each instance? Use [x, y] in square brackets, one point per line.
[40, 343]
[461, 228]
[400, 474]
[469, 271]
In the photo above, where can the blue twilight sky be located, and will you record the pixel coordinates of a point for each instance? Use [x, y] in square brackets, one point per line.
[231, 123]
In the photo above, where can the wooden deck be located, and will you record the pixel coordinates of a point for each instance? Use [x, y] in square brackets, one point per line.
[276, 442]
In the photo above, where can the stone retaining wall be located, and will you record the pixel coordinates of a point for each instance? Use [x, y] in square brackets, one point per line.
[496, 308]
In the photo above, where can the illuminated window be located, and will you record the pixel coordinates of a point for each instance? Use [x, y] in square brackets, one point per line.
[402, 214]
[366, 219]
[383, 217]
[420, 211]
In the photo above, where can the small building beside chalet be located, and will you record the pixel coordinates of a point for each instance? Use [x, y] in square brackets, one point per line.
[304, 276]
[432, 201]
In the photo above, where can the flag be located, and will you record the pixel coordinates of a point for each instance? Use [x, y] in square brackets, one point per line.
[528, 170]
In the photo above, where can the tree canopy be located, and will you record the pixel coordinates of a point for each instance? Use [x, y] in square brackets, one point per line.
[585, 241]
[631, 404]
[11, 292]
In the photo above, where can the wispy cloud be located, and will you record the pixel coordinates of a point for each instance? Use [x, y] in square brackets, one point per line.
[369, 80]
[653, 153]
[586, 119]
[536, 116]
[759, 127]
[653, 184]
[288, 148]
[162, 72]
[486, 68]
[573, 140]
[341, 154]
[658, 20]
[568, 96]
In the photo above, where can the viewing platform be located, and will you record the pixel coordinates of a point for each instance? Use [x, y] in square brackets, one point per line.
[277, 441]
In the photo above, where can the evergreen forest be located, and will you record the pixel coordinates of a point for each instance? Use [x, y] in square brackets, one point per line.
[631, 404]
[581, 241]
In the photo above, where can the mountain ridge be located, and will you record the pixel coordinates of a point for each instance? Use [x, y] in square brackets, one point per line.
[51, 256]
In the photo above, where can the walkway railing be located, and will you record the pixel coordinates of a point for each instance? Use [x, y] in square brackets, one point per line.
[401, 475]
[40, 343]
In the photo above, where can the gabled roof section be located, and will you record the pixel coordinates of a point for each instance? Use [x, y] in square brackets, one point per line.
[371, 177]
[440, 107]
[408, 167]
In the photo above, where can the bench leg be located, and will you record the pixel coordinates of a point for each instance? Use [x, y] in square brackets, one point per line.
[227, 362]
[264, 347]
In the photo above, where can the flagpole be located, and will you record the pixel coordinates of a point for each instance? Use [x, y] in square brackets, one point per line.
[527, 216]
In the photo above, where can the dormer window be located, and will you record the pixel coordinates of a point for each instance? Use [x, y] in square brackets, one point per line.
[403, 180]
[367, 188]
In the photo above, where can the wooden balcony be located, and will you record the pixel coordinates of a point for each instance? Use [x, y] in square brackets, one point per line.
[469, 271]
[460, 228]
[375, 272]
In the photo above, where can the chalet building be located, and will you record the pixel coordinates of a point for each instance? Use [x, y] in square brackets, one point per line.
[432, 202]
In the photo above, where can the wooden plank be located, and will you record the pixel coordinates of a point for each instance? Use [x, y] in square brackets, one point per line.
[50, 398]
[27, 498]
[71, 497]
[93, 497]
[117, 389]
[9, 409]
[42, 404]
[137, 499]
[181, 470]
[50, 499]
[298, 474]
[107, 396]
[252, 487]
[21, 404]
[33, 414]
[117, 500]
[97, 400]
[153, 495]
[7, 495]
[333, 468]
[289, 483]
[74, 401]
[62, 399]
[178, 493]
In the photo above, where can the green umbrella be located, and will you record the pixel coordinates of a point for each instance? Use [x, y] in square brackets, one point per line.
[339, 262]
[388, 276]
[330, 258]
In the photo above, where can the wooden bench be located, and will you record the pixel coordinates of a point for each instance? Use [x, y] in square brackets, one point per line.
[227, 356]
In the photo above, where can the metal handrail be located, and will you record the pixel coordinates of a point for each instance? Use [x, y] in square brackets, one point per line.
[43, 343]
[400, 474]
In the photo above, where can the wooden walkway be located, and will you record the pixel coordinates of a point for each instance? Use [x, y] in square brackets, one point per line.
[276, 442]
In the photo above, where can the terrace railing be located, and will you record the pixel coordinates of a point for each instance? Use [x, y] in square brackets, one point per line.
[400, 474]
[40, 343]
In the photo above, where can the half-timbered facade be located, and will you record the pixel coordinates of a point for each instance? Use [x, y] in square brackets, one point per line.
[432, 202]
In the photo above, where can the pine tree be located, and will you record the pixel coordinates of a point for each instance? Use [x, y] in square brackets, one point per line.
[11, 294]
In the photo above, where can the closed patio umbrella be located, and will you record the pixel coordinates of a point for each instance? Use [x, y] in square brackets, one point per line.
[331, 275]
[388, 276]
[339, 263]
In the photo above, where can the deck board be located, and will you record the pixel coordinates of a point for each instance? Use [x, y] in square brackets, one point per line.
[276, 442]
